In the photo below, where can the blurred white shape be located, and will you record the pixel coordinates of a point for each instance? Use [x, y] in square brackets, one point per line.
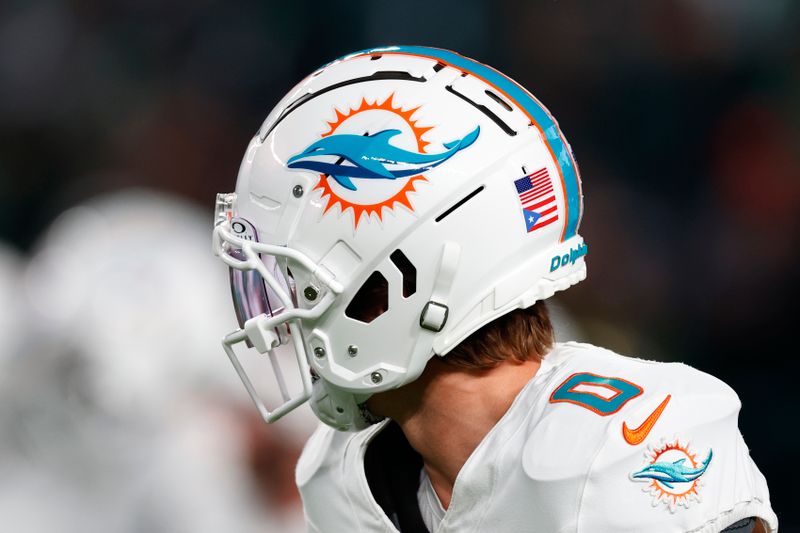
[124, 414]
[13, 312]
[127, 280]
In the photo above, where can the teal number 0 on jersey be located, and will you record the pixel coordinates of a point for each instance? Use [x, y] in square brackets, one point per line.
[622, 392]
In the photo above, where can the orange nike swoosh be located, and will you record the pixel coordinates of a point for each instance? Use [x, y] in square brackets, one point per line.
[637, 435]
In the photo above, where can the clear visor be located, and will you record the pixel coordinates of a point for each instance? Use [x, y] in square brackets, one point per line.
[252, 295]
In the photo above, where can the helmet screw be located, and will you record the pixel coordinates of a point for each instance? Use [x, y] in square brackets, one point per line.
[297, 191]
[376, 377]
[352, 350]
[310, 293]
[319, 351]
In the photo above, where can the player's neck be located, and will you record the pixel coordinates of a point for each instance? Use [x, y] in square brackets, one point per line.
[447, 412]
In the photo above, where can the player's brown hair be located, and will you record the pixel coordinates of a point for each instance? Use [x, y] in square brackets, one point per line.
[521, 335]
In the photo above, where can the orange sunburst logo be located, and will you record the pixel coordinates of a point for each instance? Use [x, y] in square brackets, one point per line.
[382, 195]
[673, 474]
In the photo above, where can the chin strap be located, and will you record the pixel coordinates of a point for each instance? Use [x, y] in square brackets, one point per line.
[434, 314]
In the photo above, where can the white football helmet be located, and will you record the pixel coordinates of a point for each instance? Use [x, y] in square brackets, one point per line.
[392, 203]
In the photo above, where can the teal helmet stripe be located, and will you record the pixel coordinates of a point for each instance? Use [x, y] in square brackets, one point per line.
[525, 101]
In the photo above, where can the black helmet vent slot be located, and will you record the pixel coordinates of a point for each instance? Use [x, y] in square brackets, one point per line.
[408, 270]
[458, 204]
[497, 98]
[485, 110]
[383, 75]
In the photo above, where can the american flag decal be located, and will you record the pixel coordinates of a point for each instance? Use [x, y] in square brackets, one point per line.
[538, 199]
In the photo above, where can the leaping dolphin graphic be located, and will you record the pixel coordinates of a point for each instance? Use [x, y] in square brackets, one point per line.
[675, 472]
[368, 155]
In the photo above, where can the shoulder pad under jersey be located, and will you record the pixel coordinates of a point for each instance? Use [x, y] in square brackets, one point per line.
[646, 446]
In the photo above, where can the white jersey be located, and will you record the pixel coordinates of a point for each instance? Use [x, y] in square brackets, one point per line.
[595, 442]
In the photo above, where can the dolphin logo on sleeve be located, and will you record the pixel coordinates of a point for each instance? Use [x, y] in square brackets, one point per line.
[669, 473]
[367, 157]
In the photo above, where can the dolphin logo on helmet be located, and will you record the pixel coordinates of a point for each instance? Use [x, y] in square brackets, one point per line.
[368, 156]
